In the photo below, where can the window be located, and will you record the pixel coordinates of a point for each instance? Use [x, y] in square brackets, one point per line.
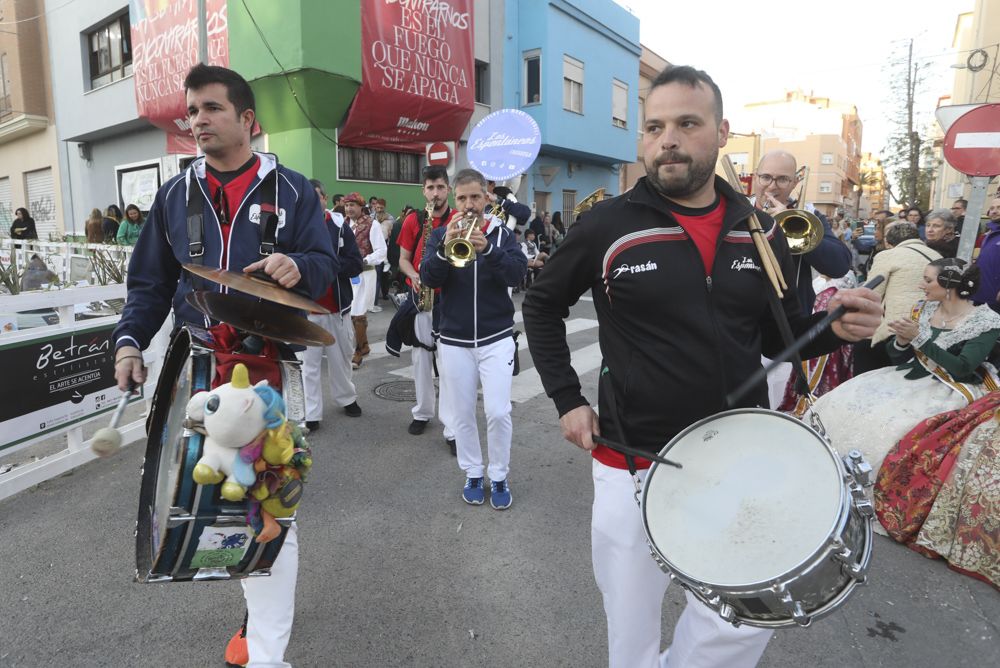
[642, 115]
[5, 104]
[568, 204]
[619, 103]
[110, 48]
[363, 164]
[572, 85]
[826, 159]
[482, 82]
[825, 187]
[533, 77]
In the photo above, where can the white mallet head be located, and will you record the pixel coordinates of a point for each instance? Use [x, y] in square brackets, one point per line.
[106, 441]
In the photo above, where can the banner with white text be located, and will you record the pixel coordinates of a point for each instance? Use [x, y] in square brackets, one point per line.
[417, 75]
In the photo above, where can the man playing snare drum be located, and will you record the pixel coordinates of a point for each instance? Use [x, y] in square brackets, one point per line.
[684, 318]
[221, 113]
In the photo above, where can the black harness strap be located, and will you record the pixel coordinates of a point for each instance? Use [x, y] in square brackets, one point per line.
[269, 213]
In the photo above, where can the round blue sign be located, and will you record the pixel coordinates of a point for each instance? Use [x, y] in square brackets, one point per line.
[504, 144]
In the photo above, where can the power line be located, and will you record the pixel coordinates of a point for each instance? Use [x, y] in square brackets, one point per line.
[37, 16]
[285, 74]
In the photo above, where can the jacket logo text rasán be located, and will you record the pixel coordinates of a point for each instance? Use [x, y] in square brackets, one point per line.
[634, 268]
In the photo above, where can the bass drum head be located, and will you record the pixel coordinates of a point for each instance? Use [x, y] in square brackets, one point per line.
[759, 494]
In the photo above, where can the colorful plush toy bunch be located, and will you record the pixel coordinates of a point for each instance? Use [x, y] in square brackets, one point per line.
[251, 448]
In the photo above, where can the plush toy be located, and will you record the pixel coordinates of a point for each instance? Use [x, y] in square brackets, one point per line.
[234, 416]
[251, 445]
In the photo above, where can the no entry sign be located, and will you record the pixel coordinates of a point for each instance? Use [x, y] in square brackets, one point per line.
[972, 143]
[438, 154]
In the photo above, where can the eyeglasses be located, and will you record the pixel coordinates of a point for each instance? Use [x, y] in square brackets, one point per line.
[782, 181]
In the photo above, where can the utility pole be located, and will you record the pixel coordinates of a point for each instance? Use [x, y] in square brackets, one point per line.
[203, 33]
[914, 137]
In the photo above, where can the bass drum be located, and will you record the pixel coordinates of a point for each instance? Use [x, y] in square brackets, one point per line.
[185, 531]
[765, 523]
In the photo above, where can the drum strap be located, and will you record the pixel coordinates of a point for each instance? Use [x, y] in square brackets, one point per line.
[609, 391]
[801, 382]
[268, 214]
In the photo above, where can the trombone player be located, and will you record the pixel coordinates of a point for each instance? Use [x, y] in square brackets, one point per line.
[775, 179]
[474, 261]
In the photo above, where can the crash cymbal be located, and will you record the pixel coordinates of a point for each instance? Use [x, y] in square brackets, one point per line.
[263, 318]
[257, 284]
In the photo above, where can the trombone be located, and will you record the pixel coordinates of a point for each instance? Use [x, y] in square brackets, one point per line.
[460, 251]
[803, 229]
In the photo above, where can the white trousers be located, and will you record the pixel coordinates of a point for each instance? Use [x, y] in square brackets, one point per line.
[271, 607]
[364, 292]
[633, 587]
[462, 370]
[338, 365]
[423, 373]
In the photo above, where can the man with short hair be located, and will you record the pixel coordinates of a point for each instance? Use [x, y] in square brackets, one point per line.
[477, 335]
[989, 259]
[958, 208]
[371, 243]
[337, 299]
[774, 181]
[232, 182]
[684, 316]
[411, 241]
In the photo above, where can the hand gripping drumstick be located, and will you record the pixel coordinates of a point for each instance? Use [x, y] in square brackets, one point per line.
[800, 343]
[628, 450]
[108, 439]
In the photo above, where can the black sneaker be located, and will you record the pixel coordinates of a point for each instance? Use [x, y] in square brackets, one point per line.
[417, 427]
[353, 410]
[312, 425]
[450, 442]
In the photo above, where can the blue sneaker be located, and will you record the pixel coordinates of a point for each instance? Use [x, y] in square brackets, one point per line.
[474, 492]
[500, 497]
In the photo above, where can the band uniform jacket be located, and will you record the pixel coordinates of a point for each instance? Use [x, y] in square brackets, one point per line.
[675, 340]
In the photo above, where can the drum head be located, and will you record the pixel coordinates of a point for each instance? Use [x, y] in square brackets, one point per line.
[759, 493]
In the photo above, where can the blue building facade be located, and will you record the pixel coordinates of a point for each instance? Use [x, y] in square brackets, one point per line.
[573, 65]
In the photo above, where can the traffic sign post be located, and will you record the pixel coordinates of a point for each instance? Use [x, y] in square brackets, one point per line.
[972, 146]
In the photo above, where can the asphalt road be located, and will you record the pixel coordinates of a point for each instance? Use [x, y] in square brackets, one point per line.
[397, 571]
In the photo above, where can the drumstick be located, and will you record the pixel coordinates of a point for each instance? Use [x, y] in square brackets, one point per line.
[628, 450]
[108, 439]
[800, 343]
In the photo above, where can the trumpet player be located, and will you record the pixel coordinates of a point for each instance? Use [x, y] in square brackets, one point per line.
[775, 179]
[417, 227]
[474, 261]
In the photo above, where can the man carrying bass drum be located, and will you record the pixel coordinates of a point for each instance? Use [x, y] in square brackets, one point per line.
[672, 355]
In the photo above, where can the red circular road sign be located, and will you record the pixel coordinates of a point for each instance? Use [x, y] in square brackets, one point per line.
[438, 154]
[972, 143]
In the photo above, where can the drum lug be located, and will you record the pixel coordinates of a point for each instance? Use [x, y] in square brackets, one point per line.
[792, 607]
[728, 614]
[860, 470]
[178, 516]
[204, 574]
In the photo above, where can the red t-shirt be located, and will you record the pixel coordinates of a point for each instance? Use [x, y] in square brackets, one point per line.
[234, 188]
[411, 236]
[704, 227]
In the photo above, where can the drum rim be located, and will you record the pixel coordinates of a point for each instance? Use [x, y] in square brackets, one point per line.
[799, 569]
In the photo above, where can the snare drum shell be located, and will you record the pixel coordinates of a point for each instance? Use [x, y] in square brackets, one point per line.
[819, 579]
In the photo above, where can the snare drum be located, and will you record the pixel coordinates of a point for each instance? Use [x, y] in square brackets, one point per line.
[187, 531]
[765, 523]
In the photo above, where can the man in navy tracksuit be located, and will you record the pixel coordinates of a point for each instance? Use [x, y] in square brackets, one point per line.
[231, 182]
[337, 299]
[476, 336]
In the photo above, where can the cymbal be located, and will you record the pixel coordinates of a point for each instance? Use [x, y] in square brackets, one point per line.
[263, 318]
[257, 284]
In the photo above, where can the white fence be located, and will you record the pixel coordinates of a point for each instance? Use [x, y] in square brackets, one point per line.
[73, 263]
[77, 451]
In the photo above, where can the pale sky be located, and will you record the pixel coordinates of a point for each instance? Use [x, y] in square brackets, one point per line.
[755, 51]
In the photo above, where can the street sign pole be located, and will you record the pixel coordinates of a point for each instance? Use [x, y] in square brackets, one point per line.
[973, 212]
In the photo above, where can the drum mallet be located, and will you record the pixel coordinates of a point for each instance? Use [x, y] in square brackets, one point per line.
[108, 439]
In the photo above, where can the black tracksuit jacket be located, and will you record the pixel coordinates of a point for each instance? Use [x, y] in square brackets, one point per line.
[675, 341]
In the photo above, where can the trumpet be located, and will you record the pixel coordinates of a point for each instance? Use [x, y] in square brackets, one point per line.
[460, 251]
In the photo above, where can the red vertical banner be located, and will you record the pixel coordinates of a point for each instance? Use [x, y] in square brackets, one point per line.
[417, 75]
[164, 48]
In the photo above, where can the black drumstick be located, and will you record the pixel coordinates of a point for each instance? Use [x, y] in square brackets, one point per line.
[628, 450]
[794, 349]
